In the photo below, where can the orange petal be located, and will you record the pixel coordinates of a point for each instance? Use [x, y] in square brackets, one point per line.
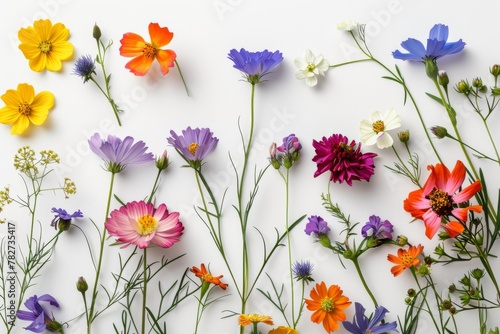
[166, 59]
[454, 229]
[159, 36]
[139, 65]
[132, 45]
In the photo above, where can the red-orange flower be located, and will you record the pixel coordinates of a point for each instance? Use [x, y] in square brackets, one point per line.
[405, 259]
[438, 199]
[207, 276]
[134, 45]
[249, 319]
[328, 306]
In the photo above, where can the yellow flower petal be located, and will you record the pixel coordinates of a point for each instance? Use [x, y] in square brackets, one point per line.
[39, 63]
[59, 33]
[26, 92]
[52, 63]
[62, 50]
[20, 125]
[43, 28]
[12, 98]
[9, 115]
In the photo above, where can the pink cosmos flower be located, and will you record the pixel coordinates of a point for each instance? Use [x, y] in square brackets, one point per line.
[139, 223]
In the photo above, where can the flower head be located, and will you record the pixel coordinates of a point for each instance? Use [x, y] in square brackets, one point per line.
[328, 305]
[133, 45]
[249, 319]
[84, 67]
[118, 154]
[283, 330]
[302, 271]
[290, 150]
[361, 324]
[316, 225]
[377, 228]
[405, 259]
[437, 46]
[441, 197]
[310, 67]
[375, 129]
[62, 219]
[45, 45]
[348, 25]
[23, 107]
[254, 65]
[344, 160]
[139, 223]
[40, 320]
[207, 277]
[194, 144]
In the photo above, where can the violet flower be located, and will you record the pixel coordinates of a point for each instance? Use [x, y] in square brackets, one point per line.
[290, 149]
[378, 229]
[84, 67]
[254, 65]
[194, 144]
[302, 271]
[316, 225]
[62, 218]
[118, 154]
[361, 324]
[40, 321]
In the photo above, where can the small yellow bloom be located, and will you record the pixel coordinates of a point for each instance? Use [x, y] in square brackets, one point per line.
[22, 106]
[283, 330]
[45, 45]
[248, 319]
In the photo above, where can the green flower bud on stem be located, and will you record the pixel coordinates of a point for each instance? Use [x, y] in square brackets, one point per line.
[96, 32]
[431, 68]
[404, 136]
[81, 285]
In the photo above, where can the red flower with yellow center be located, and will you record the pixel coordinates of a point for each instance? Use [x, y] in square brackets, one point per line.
[405, 259]
[144, 52]
[207, 277]
[328, 306]
[439, 200]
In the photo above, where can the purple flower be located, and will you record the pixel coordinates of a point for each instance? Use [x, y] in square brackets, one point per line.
[254, 65]
[38, 316]
[290, 150]
[84, 67]
[361, 324]
[316, 225]
[377, 228]
[302, 271]
[437, 46]
[62, 218]
[118, 154]
[194, 144]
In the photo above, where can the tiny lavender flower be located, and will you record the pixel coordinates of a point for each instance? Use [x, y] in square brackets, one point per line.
[302, 271]
[84, 67]
[290, 149]
[194, 144]
[39, 318]
[62, 218]
[254, 65]
[316, 225]
[377, 228]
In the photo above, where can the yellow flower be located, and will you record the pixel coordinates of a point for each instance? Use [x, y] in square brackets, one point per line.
[248, 319]
[45, 45]
[283, 330]
[22, 106]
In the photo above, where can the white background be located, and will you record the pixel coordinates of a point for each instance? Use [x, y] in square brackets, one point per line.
[204, 32]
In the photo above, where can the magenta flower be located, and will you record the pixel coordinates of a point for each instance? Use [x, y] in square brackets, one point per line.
[118, 154]
[40, 320]
[139, 223]
[194, 144]
[377, 228]
[344, 160]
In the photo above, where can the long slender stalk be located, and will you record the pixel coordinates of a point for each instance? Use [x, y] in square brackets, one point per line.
[144, 291]
[292, 290]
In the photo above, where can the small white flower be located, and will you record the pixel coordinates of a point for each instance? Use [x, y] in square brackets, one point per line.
[375, 129]
[348, 25]
[310, 66]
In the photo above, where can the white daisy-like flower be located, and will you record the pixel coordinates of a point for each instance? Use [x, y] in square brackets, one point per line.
[375, 129]
[348, 25]
[311, 66]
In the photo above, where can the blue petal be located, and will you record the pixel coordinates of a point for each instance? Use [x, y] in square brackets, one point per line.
[454, 47]
[435, 48]
[48, 298]
[384, 328]
[25, 315]
[439, 32]
[405, 56]
[37, 326]
[380, 312]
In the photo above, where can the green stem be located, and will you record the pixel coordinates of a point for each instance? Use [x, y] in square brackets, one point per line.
[350, 62]
[412, 269]
[144, 292]
[198, 315]
[90, 317]
[365, 285]
[491, 139]
[302, 304]
[292, 290]
[153, 191]
[109, 100]
[182, 77]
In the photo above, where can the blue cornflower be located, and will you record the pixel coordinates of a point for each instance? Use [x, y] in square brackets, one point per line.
[254, 65]
[437, 46]
[62, 218]
[361, 324]
[377, 228]
[39, 318]
[84, 67]
[302, 271]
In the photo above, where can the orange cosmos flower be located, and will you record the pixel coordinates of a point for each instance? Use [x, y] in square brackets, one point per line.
[442, 197]
[283, 330]
[328, 306]
[23, 107]
[249, 319]
[207, 277]
[134, 45]
[405, 259]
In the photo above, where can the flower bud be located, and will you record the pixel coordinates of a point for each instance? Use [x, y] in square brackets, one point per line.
[81, 284]
[162, 162]
[63, 224]
[477, 82]
[446, 304]
[411, 293]
[443, 78]
[404, 136]
[495, 91]
[402, 240]
[465, 281]
[439, 131]
[96, 33]
[408, 300]
[463, 87]
[424, 270]
[348, 254]
[452, 310]
[324, 240]
[452, 288]
[477, 273]
[495, 70]
[431, 68]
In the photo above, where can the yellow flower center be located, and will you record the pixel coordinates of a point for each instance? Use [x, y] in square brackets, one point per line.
[24, 108]
[310, 67]
[440, 202]
[146, 224]
[378, 126]
[327, 304]
[45, 46]
[192, 148]
[407, 260]
[149, 51]
[208, 278]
